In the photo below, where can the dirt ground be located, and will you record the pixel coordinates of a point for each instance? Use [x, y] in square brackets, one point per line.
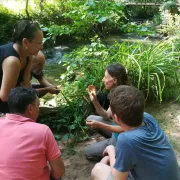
[78, 168]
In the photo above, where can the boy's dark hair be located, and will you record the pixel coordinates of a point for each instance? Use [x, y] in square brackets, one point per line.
[127, 103]
[25, 29]
[19, 98]
[119, 72]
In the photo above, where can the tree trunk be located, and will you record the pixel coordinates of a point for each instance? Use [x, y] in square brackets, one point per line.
[41, 5]
[27, 13]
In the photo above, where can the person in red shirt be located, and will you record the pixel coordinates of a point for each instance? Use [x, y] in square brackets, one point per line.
[28, 149]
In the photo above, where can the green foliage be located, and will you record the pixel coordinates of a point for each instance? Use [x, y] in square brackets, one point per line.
[170, 26]
[150, 67]
[7, 22]
[73, 110]
[87, 18]
[169, 5]
[49, 12]
[143, 29]
[142, 11]
[80, 19]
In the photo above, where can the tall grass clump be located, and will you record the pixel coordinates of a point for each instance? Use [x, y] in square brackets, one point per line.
[152, 68]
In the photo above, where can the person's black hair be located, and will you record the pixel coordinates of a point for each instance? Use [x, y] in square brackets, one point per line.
[119, 72]
[19, 98]
[25, 29]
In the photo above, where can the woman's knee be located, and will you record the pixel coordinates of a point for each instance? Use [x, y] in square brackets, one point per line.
[93, 117]
[87, 151]
[92, 153]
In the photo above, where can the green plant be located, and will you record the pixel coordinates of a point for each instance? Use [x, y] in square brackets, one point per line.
[87, 18]
[7, 21]
[170, 24]
[169, 5]
[143, 29]
[142, 11]
[150, 67]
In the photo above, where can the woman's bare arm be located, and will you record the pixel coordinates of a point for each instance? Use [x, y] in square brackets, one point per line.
[102, 112]
[27, 72]
[11, 68]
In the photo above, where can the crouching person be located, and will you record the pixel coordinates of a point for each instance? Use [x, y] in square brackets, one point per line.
[27, 147]
[143, 151]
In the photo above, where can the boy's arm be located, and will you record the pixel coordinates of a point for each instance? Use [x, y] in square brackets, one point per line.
[119, 175]
[110, 151]
[101, 125]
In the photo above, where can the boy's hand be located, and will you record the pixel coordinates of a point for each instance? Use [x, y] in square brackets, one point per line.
[93, 124]
[108, 150]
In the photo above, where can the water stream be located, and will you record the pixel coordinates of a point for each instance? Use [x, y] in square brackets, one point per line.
[54, 56]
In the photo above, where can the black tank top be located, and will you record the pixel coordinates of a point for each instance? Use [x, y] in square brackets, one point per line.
[6, 51]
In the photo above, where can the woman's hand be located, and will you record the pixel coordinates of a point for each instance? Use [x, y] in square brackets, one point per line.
[92, 92]
[93, 124]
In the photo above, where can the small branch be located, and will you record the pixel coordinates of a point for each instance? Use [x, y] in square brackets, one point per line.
[27, 13]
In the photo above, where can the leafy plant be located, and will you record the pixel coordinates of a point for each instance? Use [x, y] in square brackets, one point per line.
[143, 29]
[169, 5]
[149, 67]
[7, 21]
[87, 18]
[170, 24]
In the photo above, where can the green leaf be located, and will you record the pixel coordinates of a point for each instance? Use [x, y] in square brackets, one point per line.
[45, 29]
[67, 136]
[57, 136]
[91, 3]
[102, 19]
[93, 44]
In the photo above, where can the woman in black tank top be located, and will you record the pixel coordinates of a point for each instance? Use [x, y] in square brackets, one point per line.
[16, 57]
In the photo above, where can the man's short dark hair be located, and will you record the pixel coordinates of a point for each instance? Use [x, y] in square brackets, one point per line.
[19, 98]
[127, 103]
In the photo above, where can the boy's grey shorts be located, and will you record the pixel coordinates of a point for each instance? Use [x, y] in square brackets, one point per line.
[110, 177]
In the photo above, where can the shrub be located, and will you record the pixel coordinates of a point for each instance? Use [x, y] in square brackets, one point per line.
[86, 18]
[152, 68]
[7, 21]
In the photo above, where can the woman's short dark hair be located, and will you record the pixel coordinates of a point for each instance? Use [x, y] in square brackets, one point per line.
[119, 72]
[19, 98]
[127, 102]
[25, 29]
